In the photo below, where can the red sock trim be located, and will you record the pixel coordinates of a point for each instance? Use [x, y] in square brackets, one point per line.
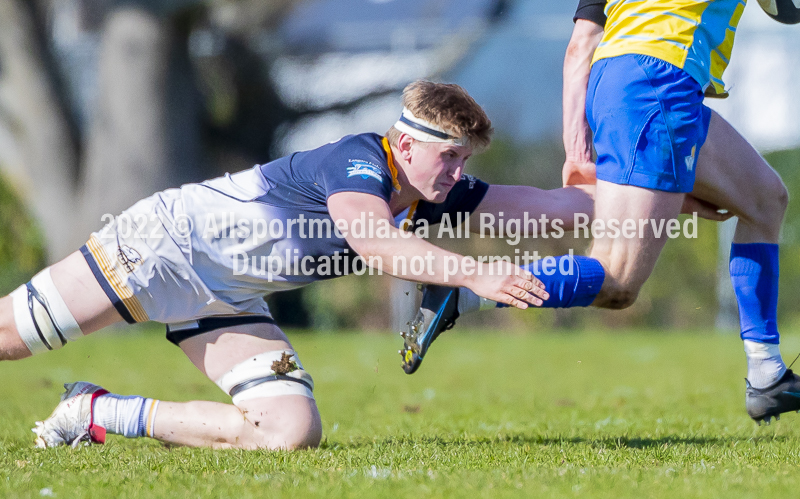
[96, 432]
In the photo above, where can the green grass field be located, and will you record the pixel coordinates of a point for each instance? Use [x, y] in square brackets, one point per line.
[632, 414]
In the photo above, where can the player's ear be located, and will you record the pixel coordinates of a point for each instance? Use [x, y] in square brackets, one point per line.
[404, 143]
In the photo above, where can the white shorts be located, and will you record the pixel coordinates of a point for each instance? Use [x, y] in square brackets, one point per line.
[143, 262]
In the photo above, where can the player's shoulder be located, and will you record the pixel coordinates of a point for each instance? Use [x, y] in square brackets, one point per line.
[361, 149]
[354, 163]
[468, 181]
[370, 143]
[362, 155]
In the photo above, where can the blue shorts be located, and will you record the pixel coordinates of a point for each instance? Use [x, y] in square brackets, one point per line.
[649, 122]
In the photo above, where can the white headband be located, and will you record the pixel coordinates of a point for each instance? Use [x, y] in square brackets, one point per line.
[425, 131]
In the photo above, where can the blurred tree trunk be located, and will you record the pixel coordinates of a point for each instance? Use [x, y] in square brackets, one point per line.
[147, 127]
[144, 132]
[40, 126]
[144, 135]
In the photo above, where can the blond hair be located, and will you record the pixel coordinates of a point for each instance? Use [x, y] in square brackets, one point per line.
[448, 106]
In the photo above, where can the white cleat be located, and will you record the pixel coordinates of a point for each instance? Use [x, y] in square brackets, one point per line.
[71, 422]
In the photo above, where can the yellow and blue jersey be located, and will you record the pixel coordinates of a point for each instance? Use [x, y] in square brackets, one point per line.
[696, 36]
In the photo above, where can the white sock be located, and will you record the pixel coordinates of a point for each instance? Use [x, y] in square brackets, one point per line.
[470, 302]
[132, 416]
[764, 363]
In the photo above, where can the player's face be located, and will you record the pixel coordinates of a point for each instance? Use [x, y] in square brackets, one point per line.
[436, 168]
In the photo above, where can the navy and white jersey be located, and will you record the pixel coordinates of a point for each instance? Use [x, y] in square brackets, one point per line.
[216, 248]
[303, 181]
[279, 211]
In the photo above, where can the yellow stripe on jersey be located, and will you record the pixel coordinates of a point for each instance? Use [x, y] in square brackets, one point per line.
[111, 274]
[411, 211]
[390, 159]
[696, 36]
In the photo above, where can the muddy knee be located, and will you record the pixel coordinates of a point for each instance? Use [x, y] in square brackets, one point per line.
[275, 395]
[293, 423]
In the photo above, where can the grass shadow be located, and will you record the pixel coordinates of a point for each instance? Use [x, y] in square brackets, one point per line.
[611, 443]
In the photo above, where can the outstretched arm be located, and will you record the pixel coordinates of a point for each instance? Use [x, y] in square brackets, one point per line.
[504, 283]
[518, 202]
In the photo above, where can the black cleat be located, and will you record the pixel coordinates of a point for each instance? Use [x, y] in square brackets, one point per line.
[438, 312]
[765, 403]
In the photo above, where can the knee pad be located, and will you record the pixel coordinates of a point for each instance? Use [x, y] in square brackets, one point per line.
[269, 374]
[42, 318]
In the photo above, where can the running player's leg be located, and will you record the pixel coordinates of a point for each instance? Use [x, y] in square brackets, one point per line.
[60, 304]
[730, 174]
[648, 123]
[629, 261]
[733, 175]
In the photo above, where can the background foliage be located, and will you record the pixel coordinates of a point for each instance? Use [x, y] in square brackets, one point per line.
[21, 246]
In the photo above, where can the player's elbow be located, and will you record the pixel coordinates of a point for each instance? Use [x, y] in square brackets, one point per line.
[576, 49]
[584, 40]
[366, 248]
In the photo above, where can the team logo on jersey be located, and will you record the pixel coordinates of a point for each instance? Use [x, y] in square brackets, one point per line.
[364, 169]
[690, 159]
[472, 180]
[129, 258]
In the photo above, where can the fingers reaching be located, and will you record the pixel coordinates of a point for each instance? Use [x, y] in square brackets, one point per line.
[526, 289]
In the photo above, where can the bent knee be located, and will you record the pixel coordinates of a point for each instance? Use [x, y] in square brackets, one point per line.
[769, 202]
[292, 424]
[299, 429]
[775, 198]
[616, 296]
[780, 195]
[301, 436]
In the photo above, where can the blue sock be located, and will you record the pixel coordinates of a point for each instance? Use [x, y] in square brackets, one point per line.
[572, 281]
[754, 274]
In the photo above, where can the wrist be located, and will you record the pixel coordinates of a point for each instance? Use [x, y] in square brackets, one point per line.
[577, 147]
[464, 278]
[578, 158]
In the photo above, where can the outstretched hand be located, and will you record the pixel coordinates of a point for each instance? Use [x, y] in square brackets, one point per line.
[509, 284]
